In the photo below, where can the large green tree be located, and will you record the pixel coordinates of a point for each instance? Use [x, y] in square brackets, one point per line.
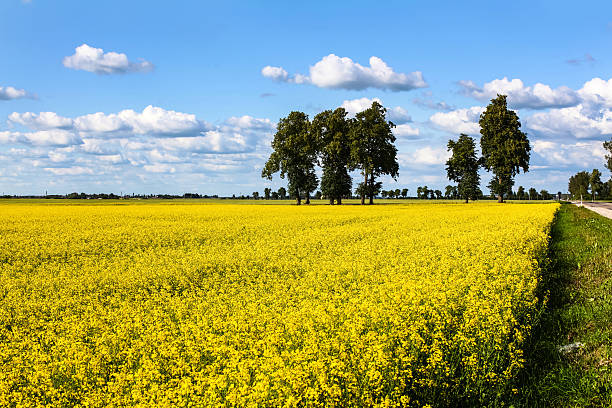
[578, 185]
[294, 155]
[332, 131]
[608, 147]
[505, 148]
[373, 149]
[595, 184]
[462, 166]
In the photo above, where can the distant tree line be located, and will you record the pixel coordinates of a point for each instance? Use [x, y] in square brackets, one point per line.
[589, 185]
[339, 145]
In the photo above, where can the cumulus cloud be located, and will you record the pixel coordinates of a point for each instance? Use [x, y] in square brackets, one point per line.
[538, 96]
[69, 171]
[95, 60]
[406, 131]
[597, 93]
[431, 156]
[335, 72]
[580, 154]
[459, 121]
[55, 137]
[42, 120]
[578, 121]
[397, 114]
[152, 120]
[9, 92]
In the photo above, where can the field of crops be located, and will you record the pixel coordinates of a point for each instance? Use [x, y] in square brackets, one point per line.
[276, 305]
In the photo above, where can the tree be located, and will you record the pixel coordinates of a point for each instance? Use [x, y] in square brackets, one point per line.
[384, 193]
[294, 155]
[373, 151]
[282, 193]
[450, 192]
[505, 149]
[545, 195]
[533, 194]
[255, 195]
[331, 130]
[595, 183]
[608, 147]
[423, 192]
[462, 166]
[404, 192]
[267, 191]
[274, 195]
[520, 193]
[438, 194]
[578, 185]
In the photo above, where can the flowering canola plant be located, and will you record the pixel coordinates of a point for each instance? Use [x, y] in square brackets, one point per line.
[266, 305]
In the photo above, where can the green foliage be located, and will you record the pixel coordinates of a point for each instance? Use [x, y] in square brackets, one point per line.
[595, 184]
[505, 149]
[608, 147]
[579, 183]
[294, 155]
[373, 151]
[331, 129]
[462, 166]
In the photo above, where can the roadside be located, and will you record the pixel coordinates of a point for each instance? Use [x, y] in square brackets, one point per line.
[604, 209]
[569, 360]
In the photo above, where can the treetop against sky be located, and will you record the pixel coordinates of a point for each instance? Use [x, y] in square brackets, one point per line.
[173, 97]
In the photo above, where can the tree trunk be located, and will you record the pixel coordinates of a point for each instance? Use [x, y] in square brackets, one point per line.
[298, 198]
[466, 200]
[371, 190]
[500, 196]
[307, 198]
[339, 200]
[365, 186]
[331, 201]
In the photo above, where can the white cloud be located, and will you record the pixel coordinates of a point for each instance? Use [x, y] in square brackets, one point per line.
[582, 154]
[575, 122]
[406, 131]
[69, 171]
[56, 137]
[459, 121]
[275, 73]
[397, 115]
[43, 120]
[430, 156]
[538, 96]
[159, 168]
[9, 92]
[152, 120]
[92, 59]
[354, 106]
[335, 72]
[597, 92]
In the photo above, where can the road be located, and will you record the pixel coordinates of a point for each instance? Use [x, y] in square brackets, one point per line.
[604, 209]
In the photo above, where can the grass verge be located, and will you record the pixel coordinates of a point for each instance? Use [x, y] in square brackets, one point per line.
[570, 357]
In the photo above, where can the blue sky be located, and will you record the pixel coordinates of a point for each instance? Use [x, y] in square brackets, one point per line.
[173, 97]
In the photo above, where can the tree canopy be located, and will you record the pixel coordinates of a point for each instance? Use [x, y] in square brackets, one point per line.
[373, 151]
[294, 155]
[331, 129]
[462, 166]
[505, 148]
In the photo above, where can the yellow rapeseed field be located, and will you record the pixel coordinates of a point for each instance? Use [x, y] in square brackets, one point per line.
[275, 305]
